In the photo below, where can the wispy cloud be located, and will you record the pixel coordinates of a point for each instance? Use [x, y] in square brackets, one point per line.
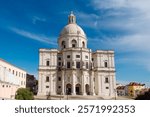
[88, 20]
[36, 37]
[36, 18]
[129, 17]
[119, 4]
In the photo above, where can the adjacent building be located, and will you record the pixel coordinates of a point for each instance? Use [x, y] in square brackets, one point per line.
[11, 78]
[135, 88]
[121, 91]
[73, 68]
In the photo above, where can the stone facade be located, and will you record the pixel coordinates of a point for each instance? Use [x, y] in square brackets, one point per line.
[74, 69]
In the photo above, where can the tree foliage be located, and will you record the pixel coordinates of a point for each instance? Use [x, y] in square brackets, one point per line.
[145, 96]
[24, 94]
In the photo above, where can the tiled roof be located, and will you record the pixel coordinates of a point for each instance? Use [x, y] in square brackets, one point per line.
[135, 84]
[120, 87]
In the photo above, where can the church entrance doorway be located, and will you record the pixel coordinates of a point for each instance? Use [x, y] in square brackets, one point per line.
[87, 89]
[68, 89]
[78, 89]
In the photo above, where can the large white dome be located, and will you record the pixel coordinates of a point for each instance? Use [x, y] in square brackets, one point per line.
[72, 35]
[72, 29]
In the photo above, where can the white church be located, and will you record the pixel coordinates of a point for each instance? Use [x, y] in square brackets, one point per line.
[74, 69]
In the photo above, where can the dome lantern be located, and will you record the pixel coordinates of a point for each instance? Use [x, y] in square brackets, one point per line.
[71, 18]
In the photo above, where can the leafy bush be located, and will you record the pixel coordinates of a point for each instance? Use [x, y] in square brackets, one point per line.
[24, 94]
[145, 96]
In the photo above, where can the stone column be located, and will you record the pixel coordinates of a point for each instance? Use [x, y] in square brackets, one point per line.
[110, 85]
[54, 84]
[114, 85]
[92, 83]
[51, 84]
[113, 61]
[98, 84]
[43, 85]
[73, 84]
[62, 86]
[83, 85]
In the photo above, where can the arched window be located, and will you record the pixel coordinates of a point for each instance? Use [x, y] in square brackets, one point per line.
[63, 44]
[74, 43]
[83, 44]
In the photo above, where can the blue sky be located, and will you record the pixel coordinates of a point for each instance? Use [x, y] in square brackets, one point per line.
[122, 25]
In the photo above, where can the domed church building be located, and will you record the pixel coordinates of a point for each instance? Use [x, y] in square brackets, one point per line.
[74, 69]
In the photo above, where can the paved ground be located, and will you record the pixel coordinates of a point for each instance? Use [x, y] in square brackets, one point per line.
[78, 97]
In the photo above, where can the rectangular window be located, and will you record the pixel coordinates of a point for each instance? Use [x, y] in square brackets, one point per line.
[16, 73]
[47, 86]
[107, 87]
[59, 87]
[59, 58]
[47, 63]
[77, 64]
[87, 65]
[77, 56]
[59, 78]
[106, 80]
[73, 45]
[105, 64]
[68, 64]
[59, 63]
[47, 79]
[68, 56]
[86, 57]
[92, 59]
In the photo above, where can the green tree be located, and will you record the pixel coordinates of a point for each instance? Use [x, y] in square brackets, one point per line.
[24, 94]
[145, 96]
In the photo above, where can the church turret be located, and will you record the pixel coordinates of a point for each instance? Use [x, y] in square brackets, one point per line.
[72, 18]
